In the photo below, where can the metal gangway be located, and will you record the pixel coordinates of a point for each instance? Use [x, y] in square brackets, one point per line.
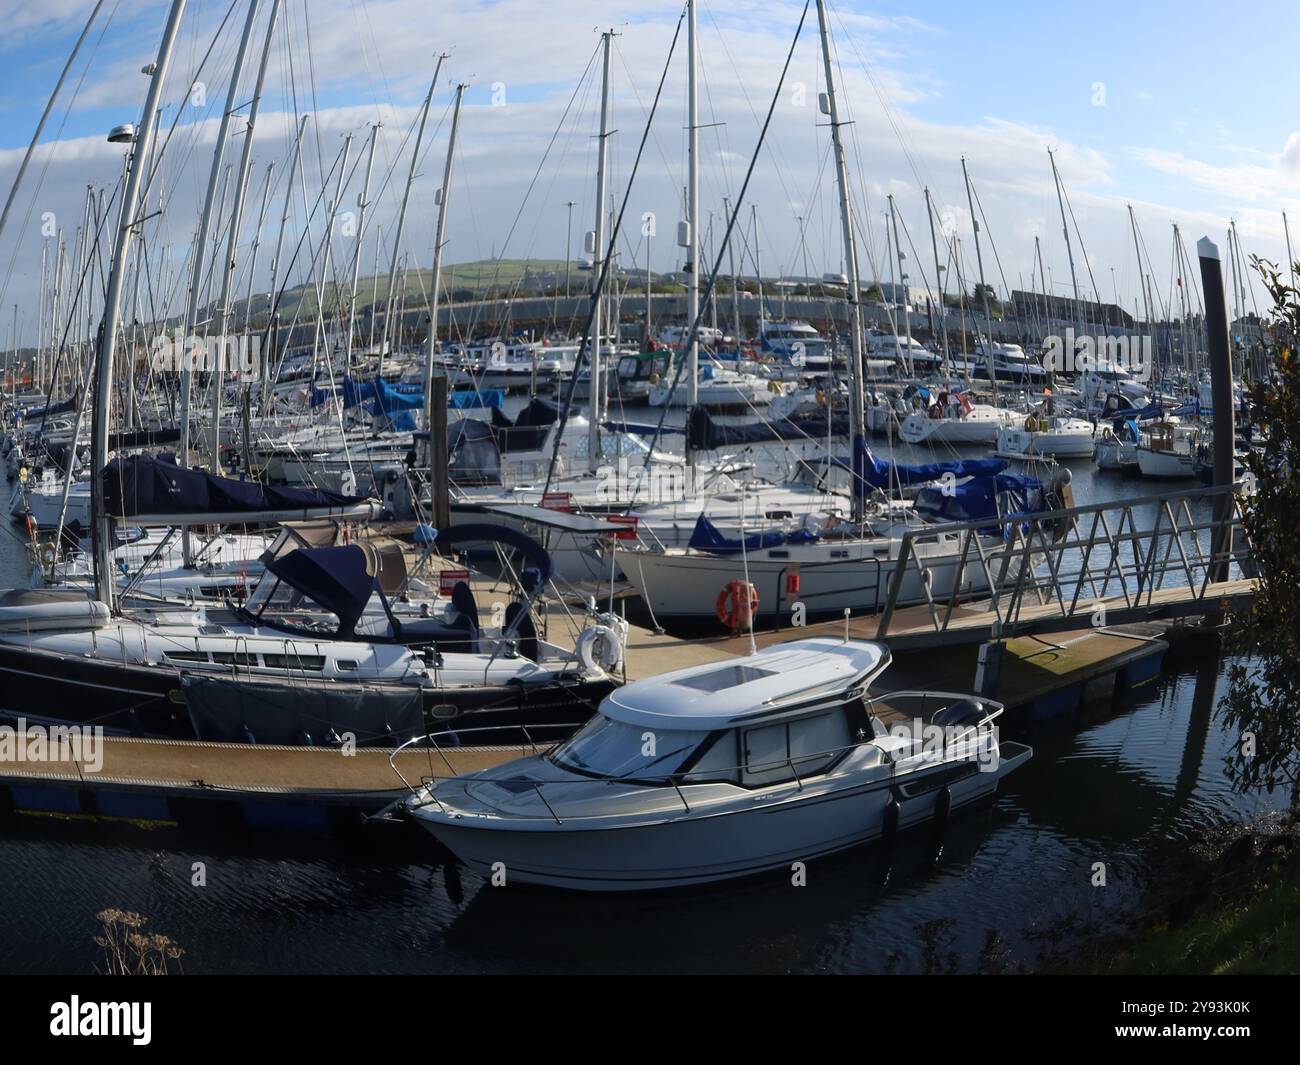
[1171, 554]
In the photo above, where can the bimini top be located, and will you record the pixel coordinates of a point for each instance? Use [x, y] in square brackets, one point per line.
[722, 694]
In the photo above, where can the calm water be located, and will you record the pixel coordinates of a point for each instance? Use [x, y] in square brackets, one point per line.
[1143, 775]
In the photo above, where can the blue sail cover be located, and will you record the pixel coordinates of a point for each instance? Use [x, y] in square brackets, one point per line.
[380, 397]
[879, 473]
[705, 434]
[707, 537]
[145, 484]
[1003, 496]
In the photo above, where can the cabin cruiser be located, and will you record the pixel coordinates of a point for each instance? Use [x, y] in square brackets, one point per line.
[719, 388]
[1104, 378]
[1167, 450]
[514, 366]
[957, 422]
[1003, 362]
[1115, 449]
[725, 770]
[1048, 437]
[887, 355]
[796, 344]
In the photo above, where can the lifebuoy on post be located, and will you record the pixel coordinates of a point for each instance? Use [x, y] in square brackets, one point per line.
[737, 604]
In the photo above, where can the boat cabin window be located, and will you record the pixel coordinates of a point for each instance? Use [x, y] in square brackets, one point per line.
[805, 746]
[717, 760]
[607, 748]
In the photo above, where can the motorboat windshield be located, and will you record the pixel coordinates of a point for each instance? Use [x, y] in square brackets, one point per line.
[616, 749]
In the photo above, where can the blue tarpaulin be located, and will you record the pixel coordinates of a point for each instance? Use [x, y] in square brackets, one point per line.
[707, 537]
[1003, 496]
[143, 484]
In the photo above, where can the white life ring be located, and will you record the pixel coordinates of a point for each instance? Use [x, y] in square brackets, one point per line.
[599, 648]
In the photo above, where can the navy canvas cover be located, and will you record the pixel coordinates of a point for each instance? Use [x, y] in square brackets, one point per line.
[334, 577]
[148, 484]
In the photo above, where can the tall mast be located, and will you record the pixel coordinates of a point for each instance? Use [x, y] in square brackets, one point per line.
[236, 218]
[984, 289]
[104, 572]
[1137, 250]
[731, 265]
[857, 415]
[438, 241]
[401, 217]
[363, 206]
[597, 256]
[1069, 246]
[939, 283]
[275, 260]
[692, 212]
[902, 278]
[205, 228]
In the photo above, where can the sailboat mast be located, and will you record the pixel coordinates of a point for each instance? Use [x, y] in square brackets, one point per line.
[363, 207]
[201, 242]
[1069, 246]
[598, 252]
[939, 284]
[984, 289]
[401, 219]
[232, 239]
[857, 415]
[692, 213]
[438, 241]
[104, 572]
[902, 279]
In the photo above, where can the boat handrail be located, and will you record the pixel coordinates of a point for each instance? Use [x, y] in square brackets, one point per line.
[674, 780]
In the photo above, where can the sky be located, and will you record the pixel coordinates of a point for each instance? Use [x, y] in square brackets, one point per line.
[1187, 111]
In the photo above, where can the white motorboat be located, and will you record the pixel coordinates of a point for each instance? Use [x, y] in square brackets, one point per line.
[957, 423]
[796, 344]
[1116, 449]
[720, 389]
[1048, 437]
[725, 770]
[1167, 450]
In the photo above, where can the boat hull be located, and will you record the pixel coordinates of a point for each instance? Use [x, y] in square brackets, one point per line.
[149, 700]
[782, 827]
[681, 590]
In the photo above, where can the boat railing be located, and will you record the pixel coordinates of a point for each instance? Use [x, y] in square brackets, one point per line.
[1055, 567]
[812, 763]
[934, 701]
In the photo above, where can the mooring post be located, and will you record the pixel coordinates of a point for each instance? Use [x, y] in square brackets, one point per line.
[440, 499]
[1216, 323]
[988, 668]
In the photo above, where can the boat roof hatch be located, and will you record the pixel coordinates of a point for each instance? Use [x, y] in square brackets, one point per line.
[721, 694]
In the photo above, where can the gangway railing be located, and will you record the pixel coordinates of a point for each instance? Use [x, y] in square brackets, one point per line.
[1145, 553]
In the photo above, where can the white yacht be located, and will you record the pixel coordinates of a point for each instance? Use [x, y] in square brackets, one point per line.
[1046, 436]
[1167, 450]
[720, 389]
[725, 770]
[959, 422]
[797, 344]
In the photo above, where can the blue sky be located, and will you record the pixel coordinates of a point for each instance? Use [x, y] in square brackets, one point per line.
[1184, 109]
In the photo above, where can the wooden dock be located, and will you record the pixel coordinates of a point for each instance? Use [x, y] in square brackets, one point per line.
[270, 786]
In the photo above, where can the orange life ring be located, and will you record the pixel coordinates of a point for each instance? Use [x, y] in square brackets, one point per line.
[737, 604]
